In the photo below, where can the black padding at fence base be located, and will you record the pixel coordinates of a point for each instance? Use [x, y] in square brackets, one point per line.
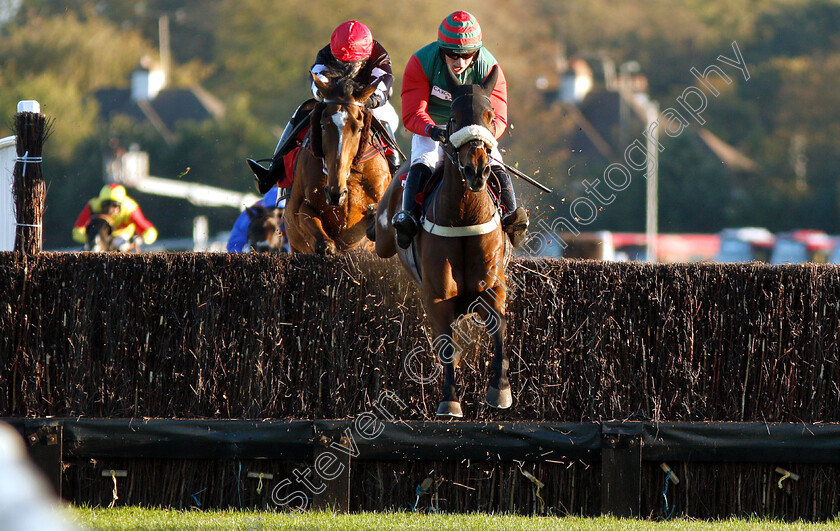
[739, 442]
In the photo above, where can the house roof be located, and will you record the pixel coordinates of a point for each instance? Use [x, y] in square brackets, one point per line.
[598, 120]
[169, 107]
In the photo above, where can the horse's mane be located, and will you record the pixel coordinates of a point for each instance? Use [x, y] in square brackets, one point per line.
[315, 130]
[341, 74]
[365, 138]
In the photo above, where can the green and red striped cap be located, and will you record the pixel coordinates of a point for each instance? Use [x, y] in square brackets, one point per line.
[459, 31]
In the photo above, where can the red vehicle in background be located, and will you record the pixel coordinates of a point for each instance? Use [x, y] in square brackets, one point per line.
[627, 246]
[671, 248]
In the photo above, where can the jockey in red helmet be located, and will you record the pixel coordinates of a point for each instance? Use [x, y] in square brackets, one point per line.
[425, 110]
[352, 53]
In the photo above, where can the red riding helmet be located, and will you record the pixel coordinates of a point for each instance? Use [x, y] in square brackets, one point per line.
[351, 41]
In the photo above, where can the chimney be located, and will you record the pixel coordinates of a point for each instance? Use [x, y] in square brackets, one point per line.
[147, 81]
[576, 82]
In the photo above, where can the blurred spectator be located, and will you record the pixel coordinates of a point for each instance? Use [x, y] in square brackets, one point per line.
[27, 502]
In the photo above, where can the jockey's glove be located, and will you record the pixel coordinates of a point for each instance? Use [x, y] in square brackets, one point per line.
[374, 101]
[436, 133]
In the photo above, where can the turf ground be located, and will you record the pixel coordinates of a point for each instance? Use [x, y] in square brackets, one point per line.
[168, 520]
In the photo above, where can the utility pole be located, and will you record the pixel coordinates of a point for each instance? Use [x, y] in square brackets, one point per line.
[163, 36]
[652, 174]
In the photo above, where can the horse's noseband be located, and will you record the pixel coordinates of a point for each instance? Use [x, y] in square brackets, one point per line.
[477, 136]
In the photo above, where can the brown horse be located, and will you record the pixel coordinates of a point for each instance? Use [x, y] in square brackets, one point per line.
[99, 234]
[461, 251]
[100, 237]
[265, 231]
[340, 175]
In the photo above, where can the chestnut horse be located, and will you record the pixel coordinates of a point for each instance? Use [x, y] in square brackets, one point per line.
[461, 251]
[340, 174]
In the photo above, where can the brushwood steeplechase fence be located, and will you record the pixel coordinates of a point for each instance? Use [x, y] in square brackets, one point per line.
[702, 390]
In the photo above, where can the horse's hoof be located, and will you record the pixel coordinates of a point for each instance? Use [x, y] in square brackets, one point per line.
[325, 248]
[499, 399]
[449, 408]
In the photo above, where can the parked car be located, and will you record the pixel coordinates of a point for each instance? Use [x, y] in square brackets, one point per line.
[746, 244]
[802, 246]
[591, 245]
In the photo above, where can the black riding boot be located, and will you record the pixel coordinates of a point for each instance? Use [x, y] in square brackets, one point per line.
[268, 177]
[515, 220]
[406, 221]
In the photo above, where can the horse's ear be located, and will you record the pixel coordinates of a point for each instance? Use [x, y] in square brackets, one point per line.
[320, 85]
[365, 93]
[253, 212]
[489, 82]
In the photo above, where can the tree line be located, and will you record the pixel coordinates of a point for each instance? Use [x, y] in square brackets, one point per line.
[254, 56]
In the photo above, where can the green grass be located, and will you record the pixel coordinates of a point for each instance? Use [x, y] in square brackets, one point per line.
[170, 520]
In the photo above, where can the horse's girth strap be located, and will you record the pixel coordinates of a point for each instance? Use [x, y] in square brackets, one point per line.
[460, 232]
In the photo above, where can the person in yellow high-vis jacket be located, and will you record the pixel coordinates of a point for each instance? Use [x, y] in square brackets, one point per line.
[122, 213]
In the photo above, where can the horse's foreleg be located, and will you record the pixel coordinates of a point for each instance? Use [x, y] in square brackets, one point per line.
[492, 312]
[312, 230]
[442, 315]
[386, 242]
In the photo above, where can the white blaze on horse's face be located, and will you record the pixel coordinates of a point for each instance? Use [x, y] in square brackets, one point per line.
[339, 119]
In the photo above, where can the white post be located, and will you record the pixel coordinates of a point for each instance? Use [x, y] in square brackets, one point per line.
[651, 225]
[201, 234]
[7, 198]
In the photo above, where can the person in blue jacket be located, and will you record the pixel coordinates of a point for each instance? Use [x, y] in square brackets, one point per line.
[239, 233]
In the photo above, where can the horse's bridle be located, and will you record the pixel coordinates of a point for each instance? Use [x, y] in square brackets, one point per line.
[345, 102]
[454, 157]
[451, 151]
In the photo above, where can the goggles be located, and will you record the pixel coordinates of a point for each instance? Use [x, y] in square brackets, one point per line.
[454, 54]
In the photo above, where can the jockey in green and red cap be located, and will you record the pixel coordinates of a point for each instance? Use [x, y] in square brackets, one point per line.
[426, 102]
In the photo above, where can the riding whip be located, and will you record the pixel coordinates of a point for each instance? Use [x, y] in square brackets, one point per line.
[527, 179]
